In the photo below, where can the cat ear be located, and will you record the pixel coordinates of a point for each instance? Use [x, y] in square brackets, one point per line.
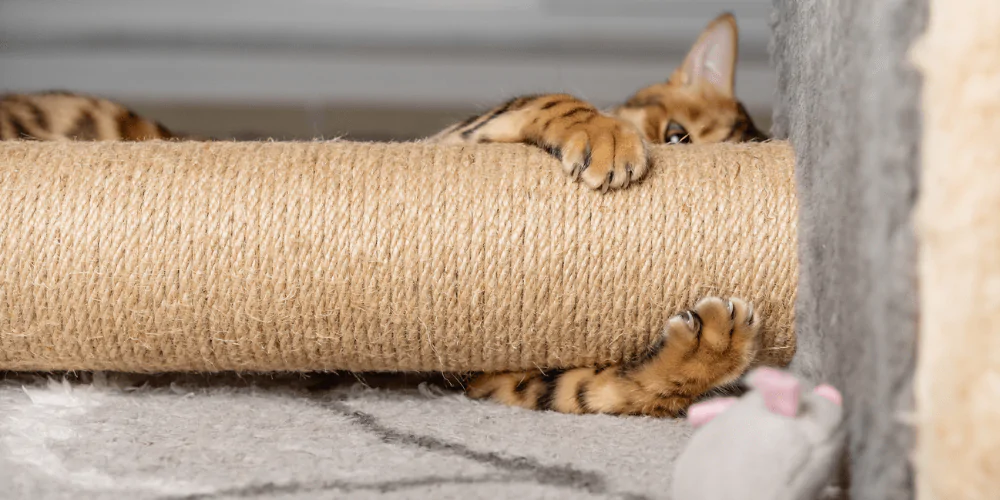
[712, 58]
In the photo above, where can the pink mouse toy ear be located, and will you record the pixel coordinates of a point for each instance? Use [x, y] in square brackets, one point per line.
[702, 413]
[831, 393]
[781, 390]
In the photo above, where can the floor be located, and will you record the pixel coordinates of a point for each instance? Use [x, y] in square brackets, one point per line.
[293, 437]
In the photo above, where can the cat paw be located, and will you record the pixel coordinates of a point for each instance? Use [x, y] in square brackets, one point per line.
[706, 347]
[603, 152]
[710, 345]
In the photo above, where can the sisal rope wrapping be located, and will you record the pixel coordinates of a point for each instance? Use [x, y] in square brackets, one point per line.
[356, 256]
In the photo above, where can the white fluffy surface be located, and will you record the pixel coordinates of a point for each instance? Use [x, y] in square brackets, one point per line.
[222, 439]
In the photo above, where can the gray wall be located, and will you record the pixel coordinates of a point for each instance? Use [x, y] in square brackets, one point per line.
[848, 100]
[312, 67]
[438, 52]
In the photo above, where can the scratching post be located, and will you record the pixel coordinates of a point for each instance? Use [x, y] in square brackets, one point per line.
[957, 384]
[348, 256]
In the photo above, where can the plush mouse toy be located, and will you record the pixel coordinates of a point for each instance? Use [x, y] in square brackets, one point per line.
[777, 442]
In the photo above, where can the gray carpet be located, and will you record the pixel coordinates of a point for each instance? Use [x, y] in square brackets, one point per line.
[848, 99]
[293, 438]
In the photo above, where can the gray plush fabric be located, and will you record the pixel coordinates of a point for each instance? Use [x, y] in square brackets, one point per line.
[849, 101]
[294, 439]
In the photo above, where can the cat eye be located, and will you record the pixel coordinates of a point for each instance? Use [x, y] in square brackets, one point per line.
[676, 134]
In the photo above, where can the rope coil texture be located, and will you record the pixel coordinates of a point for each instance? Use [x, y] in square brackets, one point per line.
[190, 256]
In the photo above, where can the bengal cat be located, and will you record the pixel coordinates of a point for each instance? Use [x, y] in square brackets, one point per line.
[699, 350]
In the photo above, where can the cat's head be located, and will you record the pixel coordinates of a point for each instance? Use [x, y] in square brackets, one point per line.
[697, 104]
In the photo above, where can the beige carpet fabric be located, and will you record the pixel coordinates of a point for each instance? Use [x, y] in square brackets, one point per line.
[957, 387]
[364, 256]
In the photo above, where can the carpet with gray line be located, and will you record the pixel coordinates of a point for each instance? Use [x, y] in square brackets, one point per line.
[226, 437]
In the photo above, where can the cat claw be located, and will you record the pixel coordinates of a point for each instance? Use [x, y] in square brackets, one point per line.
[607, 182]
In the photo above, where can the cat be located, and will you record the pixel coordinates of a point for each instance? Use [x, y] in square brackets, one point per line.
[607, 150]
[701, 349]
[57, 115]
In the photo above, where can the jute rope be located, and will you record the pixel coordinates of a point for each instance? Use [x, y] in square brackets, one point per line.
[321, 256]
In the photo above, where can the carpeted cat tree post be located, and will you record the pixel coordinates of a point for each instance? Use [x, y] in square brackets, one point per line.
[890, 167]
[848, 99]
